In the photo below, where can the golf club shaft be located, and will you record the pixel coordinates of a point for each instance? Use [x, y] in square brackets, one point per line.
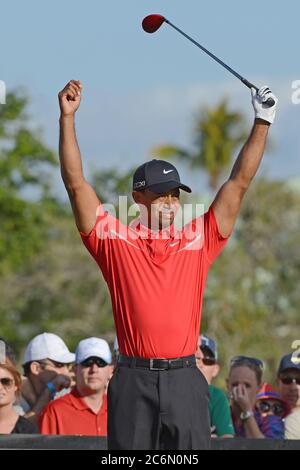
[250, 85]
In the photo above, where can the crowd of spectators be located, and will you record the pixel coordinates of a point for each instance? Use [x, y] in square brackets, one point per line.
[64, 393]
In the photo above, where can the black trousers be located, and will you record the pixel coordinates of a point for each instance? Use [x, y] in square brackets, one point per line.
[158, 410]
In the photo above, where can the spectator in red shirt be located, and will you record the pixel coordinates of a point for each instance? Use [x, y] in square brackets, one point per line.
[156, 276]
[84, 410]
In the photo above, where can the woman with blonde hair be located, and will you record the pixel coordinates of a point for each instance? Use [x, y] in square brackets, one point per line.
[10, 387]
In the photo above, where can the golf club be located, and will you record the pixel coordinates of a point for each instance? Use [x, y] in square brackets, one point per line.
[153, 22]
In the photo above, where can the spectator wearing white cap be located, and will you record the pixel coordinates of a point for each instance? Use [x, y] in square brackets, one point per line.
[84, 410]
[46, 365]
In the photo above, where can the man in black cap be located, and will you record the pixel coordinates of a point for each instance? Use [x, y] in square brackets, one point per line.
[289, 380]
[157, 178]
[219, 407]
[289, 386]
[156, 274]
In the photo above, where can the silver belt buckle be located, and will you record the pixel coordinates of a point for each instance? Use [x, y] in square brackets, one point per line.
[156, 359]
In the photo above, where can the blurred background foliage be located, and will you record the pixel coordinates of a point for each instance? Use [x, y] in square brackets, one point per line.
[48, 282]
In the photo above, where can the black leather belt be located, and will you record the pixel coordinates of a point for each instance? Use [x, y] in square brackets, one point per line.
[157, 364]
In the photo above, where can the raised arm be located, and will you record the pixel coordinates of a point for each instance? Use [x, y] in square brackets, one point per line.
[82, 196]
[228, 200]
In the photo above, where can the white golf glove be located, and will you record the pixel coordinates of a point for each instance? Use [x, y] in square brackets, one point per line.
[259, 99]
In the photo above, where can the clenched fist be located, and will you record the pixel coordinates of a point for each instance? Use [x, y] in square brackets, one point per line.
[69, 98]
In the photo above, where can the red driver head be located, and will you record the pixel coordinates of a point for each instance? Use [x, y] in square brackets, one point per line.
[152, 23]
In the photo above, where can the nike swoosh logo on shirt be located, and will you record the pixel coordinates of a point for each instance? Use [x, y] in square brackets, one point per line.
[173, 244]
[116, 234]
[167, 172]
[189, 244]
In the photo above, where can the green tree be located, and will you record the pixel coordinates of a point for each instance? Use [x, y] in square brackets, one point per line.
[24, 163]
[48, 281]
[112, 183]
[61, 290]
[217, 133]
[252, 299]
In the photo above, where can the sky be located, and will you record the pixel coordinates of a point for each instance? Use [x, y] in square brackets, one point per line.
[141, 90]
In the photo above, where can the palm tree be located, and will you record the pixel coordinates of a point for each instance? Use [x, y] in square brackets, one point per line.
[218, 131]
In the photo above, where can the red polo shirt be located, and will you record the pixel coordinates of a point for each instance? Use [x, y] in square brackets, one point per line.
[156, 281]
[70, 415]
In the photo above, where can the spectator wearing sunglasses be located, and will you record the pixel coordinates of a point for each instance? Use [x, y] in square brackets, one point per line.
[10, 387]
[47, 362]
[289, 380]
[8, 356]
[289, 385]
[244, 383]
[84, 410]
[219, 408]
[272, 409]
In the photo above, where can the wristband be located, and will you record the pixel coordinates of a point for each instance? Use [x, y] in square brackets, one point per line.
[52, 389]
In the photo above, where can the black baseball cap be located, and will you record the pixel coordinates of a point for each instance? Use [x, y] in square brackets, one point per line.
[289, 362]
[210, 344]
[159, 176]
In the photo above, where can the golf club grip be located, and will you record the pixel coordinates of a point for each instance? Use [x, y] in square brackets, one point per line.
[269, 103]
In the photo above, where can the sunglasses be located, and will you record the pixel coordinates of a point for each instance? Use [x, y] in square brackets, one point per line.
[94, 360]
[265, 407]
[6, 382]
[289, 380]
[247, 360]
[57, 365]
[207, 360]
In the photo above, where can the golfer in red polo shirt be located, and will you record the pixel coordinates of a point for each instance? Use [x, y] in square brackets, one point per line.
[157, 398]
